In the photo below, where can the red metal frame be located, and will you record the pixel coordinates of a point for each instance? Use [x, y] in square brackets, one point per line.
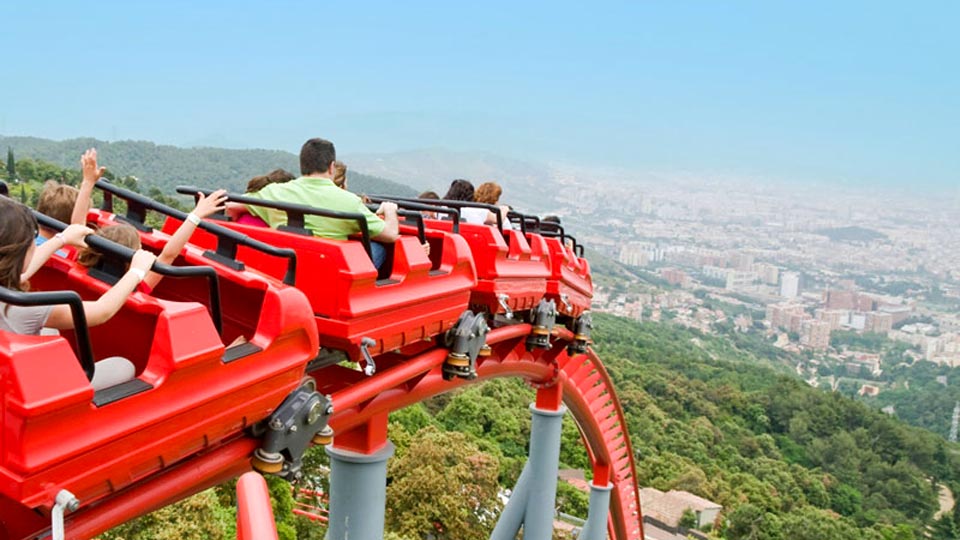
[54, 437]
[570, 277]
[421, 299]
[506, 264]
[254, 512]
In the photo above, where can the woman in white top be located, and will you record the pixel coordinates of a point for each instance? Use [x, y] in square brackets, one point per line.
[462, 190]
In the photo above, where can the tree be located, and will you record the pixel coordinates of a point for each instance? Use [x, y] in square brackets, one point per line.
[11, 169]
[443, 486]
[688, 520]
[201, 517]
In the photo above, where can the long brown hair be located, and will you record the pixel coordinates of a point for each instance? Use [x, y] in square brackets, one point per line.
[121, 233]
[18, 231]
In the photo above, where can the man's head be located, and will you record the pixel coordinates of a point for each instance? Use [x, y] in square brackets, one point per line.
[317, 157]
[57, 201]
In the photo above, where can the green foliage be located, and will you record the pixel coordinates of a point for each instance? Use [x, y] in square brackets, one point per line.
[165, 167]
[201, 517]
[443, 486]
[863, 342]
[572, 501]
[688, 520]
[720, 423]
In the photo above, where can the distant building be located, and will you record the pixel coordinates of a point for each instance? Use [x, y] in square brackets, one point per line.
[840, 300]
[768, 273]
[739, 280]
[789, 284]
[786, 316]
[667, 508]
[878, 323]
[641, 254]
[868, 390]
[815, 334]
[834, 317]
[898, 313]
[674, 276]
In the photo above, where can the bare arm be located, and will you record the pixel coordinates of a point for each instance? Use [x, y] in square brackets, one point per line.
[206, 206]
[235, 210]
[72, 235]
[91, 173]
[105, 307]
[391, 228]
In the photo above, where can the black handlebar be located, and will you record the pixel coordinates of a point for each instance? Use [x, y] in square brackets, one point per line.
[227, 239]
[418, 205]
[416, 217]
[295, 213]
[125, 254]
[434, 203]
[53, 298]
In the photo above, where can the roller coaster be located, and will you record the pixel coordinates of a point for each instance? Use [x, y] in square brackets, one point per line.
[246, 355]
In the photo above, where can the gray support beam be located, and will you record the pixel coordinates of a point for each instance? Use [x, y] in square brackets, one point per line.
[596, 526]
[532, 502]
[358, 493]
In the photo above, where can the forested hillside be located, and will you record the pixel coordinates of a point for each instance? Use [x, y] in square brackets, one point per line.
[785, 460]
[165, 167]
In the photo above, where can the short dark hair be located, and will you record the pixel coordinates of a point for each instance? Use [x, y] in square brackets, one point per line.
[428, 195]
[460, 190]
[4, 190]
[316, 155]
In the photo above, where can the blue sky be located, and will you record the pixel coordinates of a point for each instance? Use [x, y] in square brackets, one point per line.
[859, 92]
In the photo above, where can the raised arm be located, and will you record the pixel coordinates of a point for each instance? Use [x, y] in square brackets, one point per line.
[73, 235]
[105, 307]
[206, 206]
[91, 173]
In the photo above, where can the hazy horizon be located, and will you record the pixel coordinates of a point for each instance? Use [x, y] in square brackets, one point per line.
[856, 94]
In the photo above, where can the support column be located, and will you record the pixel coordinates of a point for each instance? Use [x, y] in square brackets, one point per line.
[596, 526]
[358, 481]
[531, 504]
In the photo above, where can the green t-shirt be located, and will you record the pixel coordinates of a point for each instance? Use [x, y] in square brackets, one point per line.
[318, 193]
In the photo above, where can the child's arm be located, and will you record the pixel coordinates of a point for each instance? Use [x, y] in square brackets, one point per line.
[101, 310]
[88, 163]
[206, 206]
[73, 235]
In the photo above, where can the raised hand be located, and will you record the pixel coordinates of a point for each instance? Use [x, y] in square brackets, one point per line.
[213, 203]
[88, 164]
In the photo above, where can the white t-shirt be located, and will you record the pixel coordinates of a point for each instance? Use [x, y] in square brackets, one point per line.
[478, 216]
[26, 320]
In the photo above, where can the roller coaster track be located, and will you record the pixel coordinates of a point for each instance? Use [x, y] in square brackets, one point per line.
[587, 392]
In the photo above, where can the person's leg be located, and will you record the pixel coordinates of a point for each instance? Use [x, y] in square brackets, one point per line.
[378, 253]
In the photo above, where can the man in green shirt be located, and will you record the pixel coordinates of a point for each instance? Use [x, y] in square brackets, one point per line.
[315, 188]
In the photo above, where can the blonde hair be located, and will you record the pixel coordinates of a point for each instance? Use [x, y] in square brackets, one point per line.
[121, 233]
[57, 200]
[340, 173]
[488, 193]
